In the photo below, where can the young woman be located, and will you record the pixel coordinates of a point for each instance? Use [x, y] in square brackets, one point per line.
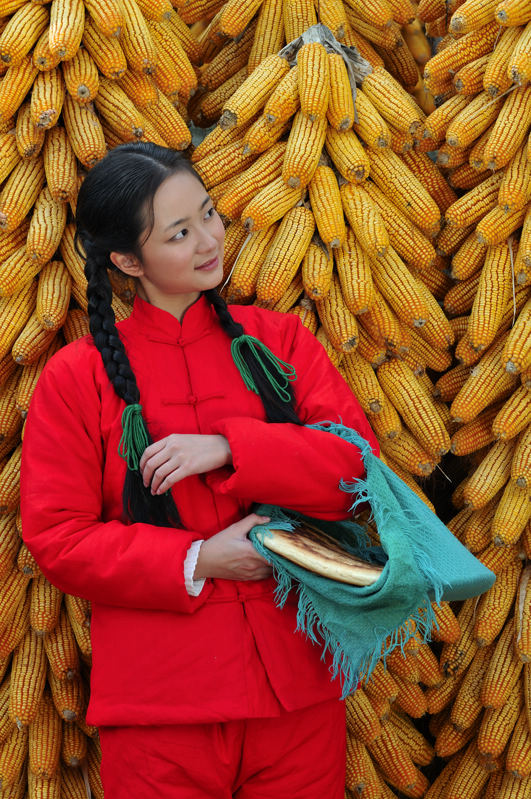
[145, 448]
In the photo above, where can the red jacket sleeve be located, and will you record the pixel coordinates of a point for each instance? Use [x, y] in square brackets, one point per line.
[137, 565]
[291, 466]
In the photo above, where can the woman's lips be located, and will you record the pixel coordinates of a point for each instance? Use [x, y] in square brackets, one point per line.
[208, 265]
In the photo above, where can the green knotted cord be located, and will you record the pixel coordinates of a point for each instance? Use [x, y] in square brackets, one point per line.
[278, 372]
[134, 438]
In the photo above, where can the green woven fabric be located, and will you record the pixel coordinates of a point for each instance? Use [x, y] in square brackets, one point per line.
[423, 562]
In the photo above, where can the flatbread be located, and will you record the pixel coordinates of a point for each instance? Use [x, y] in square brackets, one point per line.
[318, 552]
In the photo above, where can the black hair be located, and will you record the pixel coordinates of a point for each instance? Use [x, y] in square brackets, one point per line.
[114, 200]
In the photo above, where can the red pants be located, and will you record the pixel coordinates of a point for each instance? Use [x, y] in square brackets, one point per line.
[299, 755]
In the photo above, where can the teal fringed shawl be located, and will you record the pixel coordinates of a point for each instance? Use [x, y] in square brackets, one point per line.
[424, 562]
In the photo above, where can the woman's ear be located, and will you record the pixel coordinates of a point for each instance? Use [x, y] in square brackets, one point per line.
[127, 263]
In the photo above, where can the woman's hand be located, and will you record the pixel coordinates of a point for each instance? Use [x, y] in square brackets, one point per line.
[231, 556]
[171, 459]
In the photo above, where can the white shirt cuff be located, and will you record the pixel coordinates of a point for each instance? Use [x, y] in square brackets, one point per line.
[193, 587]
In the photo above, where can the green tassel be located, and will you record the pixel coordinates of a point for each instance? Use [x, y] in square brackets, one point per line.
[134, 438]
[278, 372]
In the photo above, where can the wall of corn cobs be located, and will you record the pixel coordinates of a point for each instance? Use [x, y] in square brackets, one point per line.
[413, 270]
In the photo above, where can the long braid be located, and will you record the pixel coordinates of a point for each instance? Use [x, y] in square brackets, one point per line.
[138, 503]
[276, 410]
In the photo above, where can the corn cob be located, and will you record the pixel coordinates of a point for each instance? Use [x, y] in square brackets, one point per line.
[74, 745]
[9, 543]
[473, 120]
[518, 69]
[392, 101]
[46, 227]
[261, 135]
[42, 57]
[9, 154]
[459, 52]
[467, 705]
[106, 53]
[248, 264]
[29, 377]
[284, 100]
[477, 531]
[269, 205]
[512, 515]
[325, 200]
[392, 757]
[14, 313]
[513, 12]
[476, 434]
[365, 220]
[354, 272]
[67, 19]
[9, 424]
[360, 772]
[495, 605]
[514, 416]
[469, 258]
[522, 632]
[495, 80]
[32, 341]
[521, 463]
[285, 254]
[340, 111]
[470, 776]
[317, 267]
[517, 351]
[167, 120]
[414, 406]
[12, 756]
[253, 93]
[29, 139]
[347, 154]
[28, 676]
[492, 295]
[498, 224]
[447, 387]
[362, 721]
[84, 132]
[398, 183]
[21, 32]
[269, 36]
[449, 740]
[223, 164]
[174, 74]
[458, 300]
[466, 177]
[468, 81]
[248, 183]
[81, 77]
[45, 605]
[228, 61]
[59, 165]
[502, 672]
[61, 649]
[451, 238]
[491, 475]
[400, 289]
[20, 192]
[107, 16]
[303, 151]
[339, 323]
[53, 295]
[313, 80]
[404, 236]
[44, 739]
[137, 43]
[518, 760]
[515, 188]
[436, 123]
[14, 86]
[509, 130]
[430, 177]
[16, 272]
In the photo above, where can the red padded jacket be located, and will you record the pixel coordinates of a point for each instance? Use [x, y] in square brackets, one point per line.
[161, 656]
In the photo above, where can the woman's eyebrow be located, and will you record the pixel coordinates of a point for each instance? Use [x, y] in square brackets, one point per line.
[186, 218]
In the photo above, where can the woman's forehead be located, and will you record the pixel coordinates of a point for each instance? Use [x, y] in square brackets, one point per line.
[178, 197]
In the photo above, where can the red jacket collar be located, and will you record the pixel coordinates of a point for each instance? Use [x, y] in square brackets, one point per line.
[153, 322]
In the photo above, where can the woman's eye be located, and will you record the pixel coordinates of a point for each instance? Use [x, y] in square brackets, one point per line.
[210, 213]
[180, 235]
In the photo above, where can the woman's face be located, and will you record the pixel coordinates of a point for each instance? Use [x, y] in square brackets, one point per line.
[183, 253]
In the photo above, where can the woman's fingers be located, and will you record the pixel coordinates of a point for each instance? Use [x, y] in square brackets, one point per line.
[150, 451]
